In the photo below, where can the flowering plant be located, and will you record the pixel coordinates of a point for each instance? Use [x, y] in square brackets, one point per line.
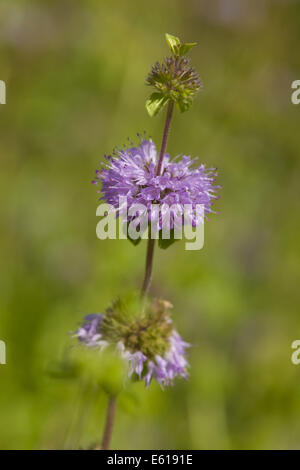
[140, 329]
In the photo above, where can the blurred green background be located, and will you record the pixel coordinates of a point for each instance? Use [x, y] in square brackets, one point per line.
[75, 74]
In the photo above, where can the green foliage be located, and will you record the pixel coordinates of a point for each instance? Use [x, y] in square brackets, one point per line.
[176, 47]
[185, 48]
[173, 43]
[164, 243]
[155, 103]
[104, 368]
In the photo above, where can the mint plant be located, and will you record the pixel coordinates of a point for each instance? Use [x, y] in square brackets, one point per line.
[139, 328]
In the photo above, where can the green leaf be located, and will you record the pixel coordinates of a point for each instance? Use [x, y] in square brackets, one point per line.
[183, 105]
[176, 47]
[184, 48]
[134, 242]
[63, 369]
[155, 103]
[173, 43]
[164, 243]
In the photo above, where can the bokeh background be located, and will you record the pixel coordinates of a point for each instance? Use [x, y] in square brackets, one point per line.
[75, 74]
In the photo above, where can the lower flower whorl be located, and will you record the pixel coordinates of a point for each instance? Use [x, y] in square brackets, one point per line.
[144, 336]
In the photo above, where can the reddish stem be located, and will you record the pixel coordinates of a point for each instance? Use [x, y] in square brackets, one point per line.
[110, 416]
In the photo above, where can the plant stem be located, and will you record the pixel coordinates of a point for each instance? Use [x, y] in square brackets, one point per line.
[110, 416]
[111, 407]
[151, 241]
[149, 264]
[165, 136]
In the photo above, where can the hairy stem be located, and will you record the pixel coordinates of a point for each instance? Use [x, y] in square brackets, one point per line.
[151, 241]
[110, 416]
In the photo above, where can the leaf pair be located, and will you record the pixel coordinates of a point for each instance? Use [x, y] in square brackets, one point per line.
[176, 47]
[163, 243]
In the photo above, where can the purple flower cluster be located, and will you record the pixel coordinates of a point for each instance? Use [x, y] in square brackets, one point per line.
[131, 173]
[89, 331]
[174, 363]
[163, 369]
